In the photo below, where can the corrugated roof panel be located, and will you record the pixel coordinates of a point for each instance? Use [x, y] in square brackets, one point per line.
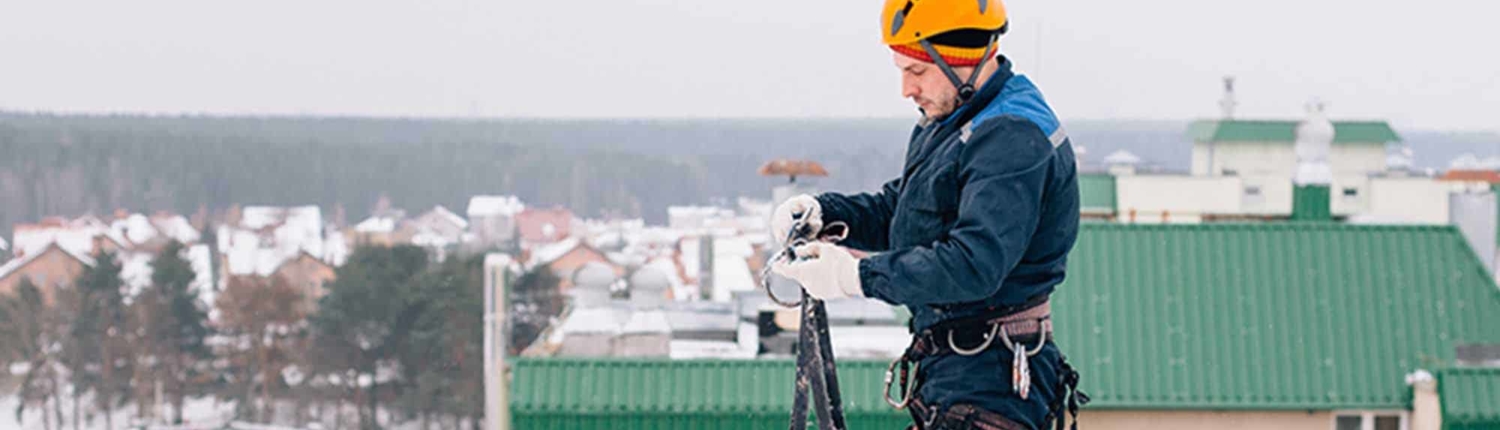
[618, 394]
[1267, 316]
[1470, 398]
[657, 385]
[1295, 316]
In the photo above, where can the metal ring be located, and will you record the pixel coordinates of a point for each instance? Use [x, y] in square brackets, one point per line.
[1041, 339]
[765, 284]
[989, 338]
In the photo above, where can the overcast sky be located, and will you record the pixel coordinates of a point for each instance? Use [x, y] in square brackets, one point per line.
[1420, 64]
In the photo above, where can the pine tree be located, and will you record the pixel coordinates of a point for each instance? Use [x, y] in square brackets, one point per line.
[443, 363]
[174, 325]
[96, 347]
[365, 320]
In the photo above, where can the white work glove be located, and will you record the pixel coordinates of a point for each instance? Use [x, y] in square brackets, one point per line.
[826, 271]
[781, 218]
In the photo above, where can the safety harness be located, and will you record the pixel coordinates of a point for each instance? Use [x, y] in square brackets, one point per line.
[1017, 328]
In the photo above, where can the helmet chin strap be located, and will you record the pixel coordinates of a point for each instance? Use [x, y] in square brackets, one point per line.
[965, 87]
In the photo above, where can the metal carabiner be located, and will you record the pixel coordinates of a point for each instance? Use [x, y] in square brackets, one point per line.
[988, 339]
[833, 232]
[906, 387]
[765, 284]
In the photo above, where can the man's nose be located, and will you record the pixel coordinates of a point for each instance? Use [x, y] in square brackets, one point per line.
[909, 89]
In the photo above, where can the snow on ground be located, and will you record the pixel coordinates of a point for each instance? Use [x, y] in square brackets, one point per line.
[199, 414]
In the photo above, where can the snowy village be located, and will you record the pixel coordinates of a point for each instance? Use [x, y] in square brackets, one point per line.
[780, 214]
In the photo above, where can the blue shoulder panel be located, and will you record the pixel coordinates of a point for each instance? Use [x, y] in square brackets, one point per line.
[1022, 99]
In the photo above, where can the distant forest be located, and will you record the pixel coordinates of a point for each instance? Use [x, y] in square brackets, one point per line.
[75, 164]
[71, 165]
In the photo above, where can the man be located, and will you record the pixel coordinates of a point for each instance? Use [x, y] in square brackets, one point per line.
[974, 234]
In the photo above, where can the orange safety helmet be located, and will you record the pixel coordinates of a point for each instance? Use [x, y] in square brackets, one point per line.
[915, 28]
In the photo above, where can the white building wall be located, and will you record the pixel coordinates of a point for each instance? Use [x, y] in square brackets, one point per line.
[1418, 200]
[1268, 167]
[1353, 164]
[1175, 199]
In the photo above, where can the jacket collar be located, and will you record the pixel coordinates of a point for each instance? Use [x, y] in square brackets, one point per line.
[987, 93]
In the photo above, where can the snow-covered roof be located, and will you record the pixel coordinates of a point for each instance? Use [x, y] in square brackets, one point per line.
[269, 236]
[596, 320]
[135, 227]
[647, 321]
[731, 270]
[140, 229]
[376, 224]
[307, 218]
[548, 253]
[702, 349]
[702, 317]
[494, 206]
[864, 311]
[176, 227]
[76, 236]
[445, 214]
[868, 341]
[17, 263]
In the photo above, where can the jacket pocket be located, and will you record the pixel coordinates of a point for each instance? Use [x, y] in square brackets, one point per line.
[931, 203]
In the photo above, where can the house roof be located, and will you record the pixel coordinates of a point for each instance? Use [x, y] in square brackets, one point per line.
[494, 206]
[447, 215]
[1470, 398]
[1470, 175]
[1286, 316]
[16, 264]
[643, 393]
[1194, 316]
[1345, 132]
[376, 224]
[1096, 193]
[544, 225]
[75, 236]
[548, 253]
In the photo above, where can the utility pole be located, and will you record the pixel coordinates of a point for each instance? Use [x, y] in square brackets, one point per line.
[497, 271]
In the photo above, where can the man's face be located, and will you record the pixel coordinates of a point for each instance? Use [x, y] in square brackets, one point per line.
[927, 86]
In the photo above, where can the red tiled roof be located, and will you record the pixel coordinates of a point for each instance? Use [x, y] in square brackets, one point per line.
[532, 224]
[1489, 176]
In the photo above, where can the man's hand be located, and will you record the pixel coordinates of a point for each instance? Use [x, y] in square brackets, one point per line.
[826, 271]
[787, 213]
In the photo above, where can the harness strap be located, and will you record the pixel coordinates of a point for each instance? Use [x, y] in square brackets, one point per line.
[960, 416]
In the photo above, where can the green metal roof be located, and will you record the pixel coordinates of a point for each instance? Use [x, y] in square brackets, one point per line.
[612, 394]
[1292, 316]
[1344, 132]
[1495, 188]
[1470, 398]
[1096, 193]
[1268, 316]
